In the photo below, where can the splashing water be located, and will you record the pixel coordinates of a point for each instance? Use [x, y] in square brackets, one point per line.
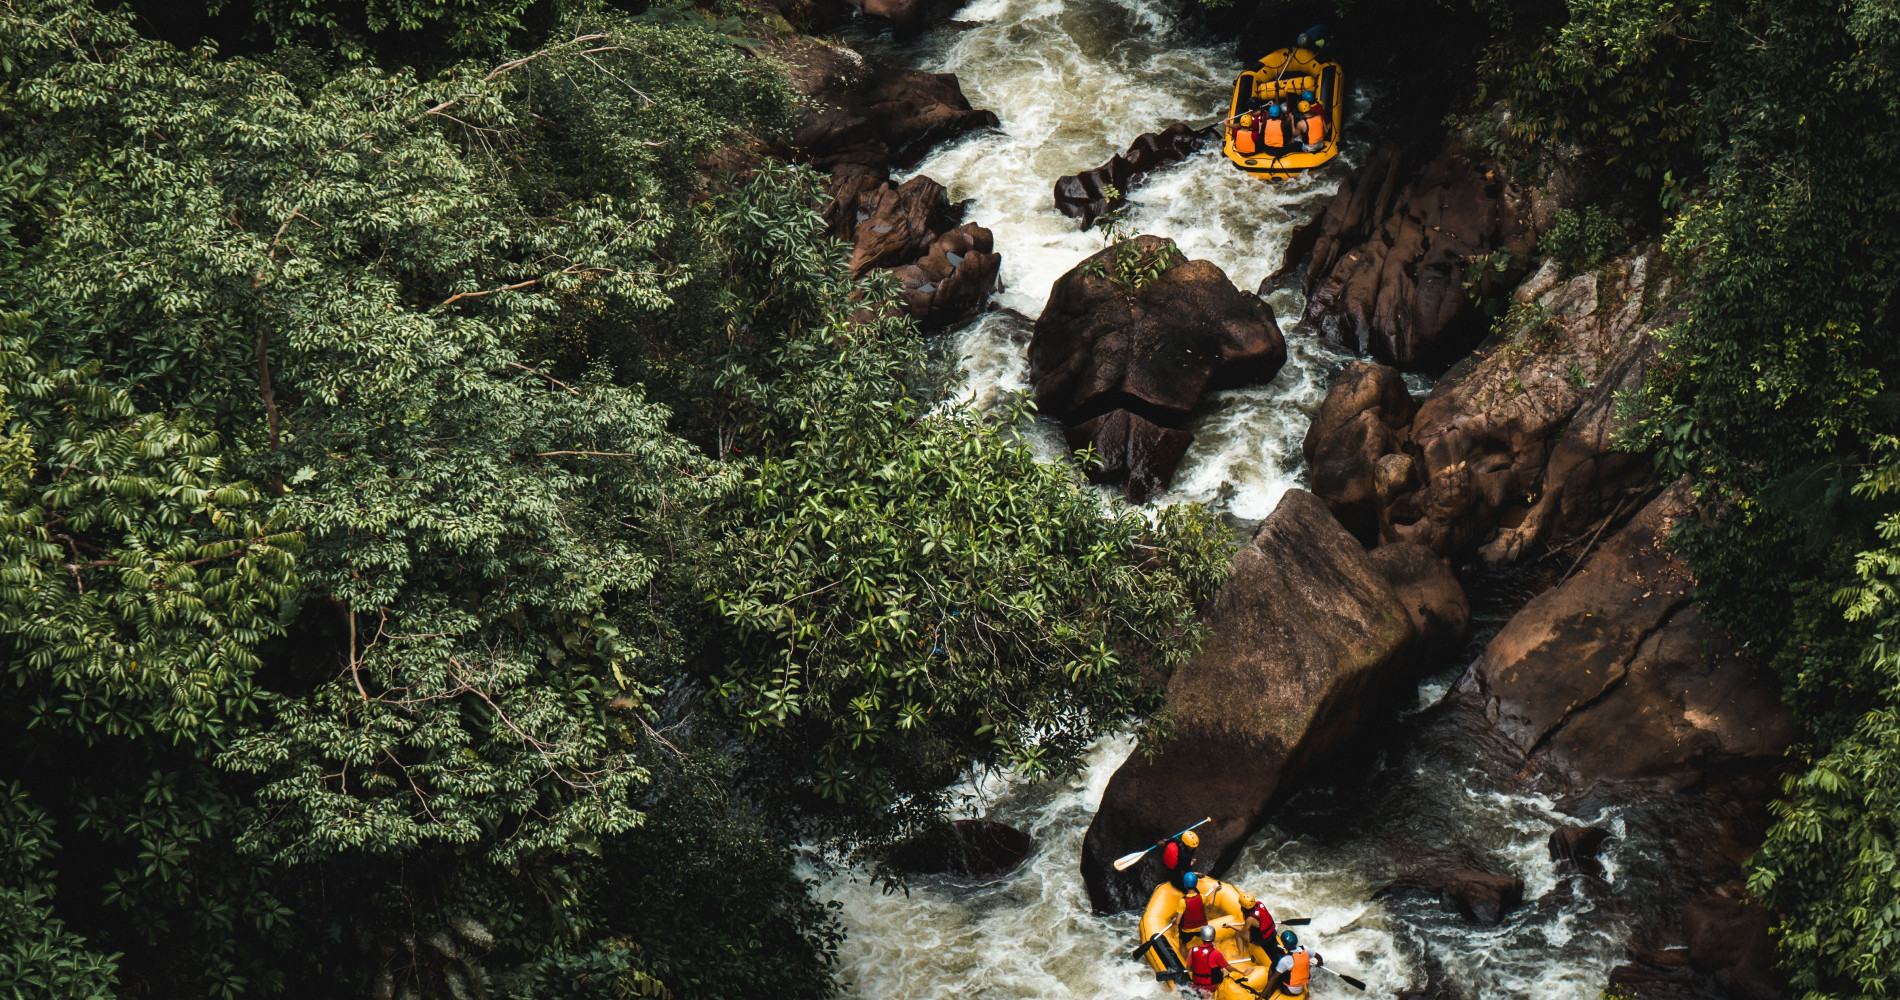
[1074, 81]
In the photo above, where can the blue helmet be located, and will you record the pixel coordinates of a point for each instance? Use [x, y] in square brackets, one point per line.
[1189, 880]
[1307, 95]
[1289, 940]
[1273, 109]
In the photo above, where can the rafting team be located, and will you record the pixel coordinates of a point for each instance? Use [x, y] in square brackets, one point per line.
[1282, 128]
[1292, 962]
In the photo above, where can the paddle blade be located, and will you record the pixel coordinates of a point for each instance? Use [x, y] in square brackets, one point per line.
[1297, 921]
[1127, 861]
[1354, 983]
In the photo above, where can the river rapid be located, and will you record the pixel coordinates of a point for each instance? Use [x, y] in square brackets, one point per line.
[1074, 81]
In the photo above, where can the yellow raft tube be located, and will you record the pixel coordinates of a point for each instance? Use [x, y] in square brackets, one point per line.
[1248, 968]
[1282, 75]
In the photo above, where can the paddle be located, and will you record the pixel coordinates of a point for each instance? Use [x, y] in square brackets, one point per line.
[1127, 861]
[1145, 945]
[1354, 983]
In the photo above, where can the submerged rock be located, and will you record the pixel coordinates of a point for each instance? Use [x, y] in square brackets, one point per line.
[1084, 195]
[966, 848]
[1100, 347]
[1613, 677]
[1306, 641]
[1476, 895]
[1395, 249]
[1575, 849]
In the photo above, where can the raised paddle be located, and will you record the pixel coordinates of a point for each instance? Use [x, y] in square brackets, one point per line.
[1127, 861]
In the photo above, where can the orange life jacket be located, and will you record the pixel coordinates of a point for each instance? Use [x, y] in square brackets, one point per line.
[1246, 142]
[1302, 971]
[1276, 133]
[1315, 129]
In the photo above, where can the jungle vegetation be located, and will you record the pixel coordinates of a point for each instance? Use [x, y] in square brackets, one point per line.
[449, 545]
[1759, 140]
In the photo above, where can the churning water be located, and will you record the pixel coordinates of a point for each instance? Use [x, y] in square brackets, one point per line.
[1074, 81]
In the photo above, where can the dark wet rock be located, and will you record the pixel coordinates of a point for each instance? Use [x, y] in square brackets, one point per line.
[861, 125]
[1613, 677]
[1132, 451]
[1575, 849]
[894, 223]
[966, 848]
[1514, 452]
[1362, 421]
[907, 18]
[1729, 938]
[1395, 250]
[953, 279]
[915, 111]
[1084, 195]
[875, 121]
[1476, 895]
[1430, 593]
[1098, 348]
[1307, 645]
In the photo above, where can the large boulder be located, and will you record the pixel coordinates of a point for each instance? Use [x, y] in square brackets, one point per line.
[1085, 195]
[1307, 644]
[877, 121]
[1516, 446]
[1101, 346]
[1361, 425]
[1613, 677]
[1392, 268]
[858, 126]
[1429, 591]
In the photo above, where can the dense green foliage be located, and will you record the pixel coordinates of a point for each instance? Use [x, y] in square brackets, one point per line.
[451, 547]
[1774, 129]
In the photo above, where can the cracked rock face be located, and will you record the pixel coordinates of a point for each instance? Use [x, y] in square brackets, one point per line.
[1308, 645]
[1515, 448]
[1613, 676]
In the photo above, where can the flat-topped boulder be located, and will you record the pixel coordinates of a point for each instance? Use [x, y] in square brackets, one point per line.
[1151, 348]
[1307, 643]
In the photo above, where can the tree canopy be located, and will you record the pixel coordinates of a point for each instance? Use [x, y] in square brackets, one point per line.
[452, 544]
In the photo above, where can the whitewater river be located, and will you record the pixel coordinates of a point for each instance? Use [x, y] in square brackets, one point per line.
[1074, 81]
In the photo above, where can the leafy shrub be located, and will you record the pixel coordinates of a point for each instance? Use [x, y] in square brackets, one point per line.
[1580, 241]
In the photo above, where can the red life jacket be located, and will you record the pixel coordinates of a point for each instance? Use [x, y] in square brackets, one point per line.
[1267, 927]
[1171, 855]
[1203, 959]
[1193, 912]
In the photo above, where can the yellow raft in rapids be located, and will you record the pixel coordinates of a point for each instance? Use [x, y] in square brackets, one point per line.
[1283, 75]
[1248, 968]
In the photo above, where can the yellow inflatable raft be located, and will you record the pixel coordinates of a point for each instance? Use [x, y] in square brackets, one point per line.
[1248, 968]
[1282, 75]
